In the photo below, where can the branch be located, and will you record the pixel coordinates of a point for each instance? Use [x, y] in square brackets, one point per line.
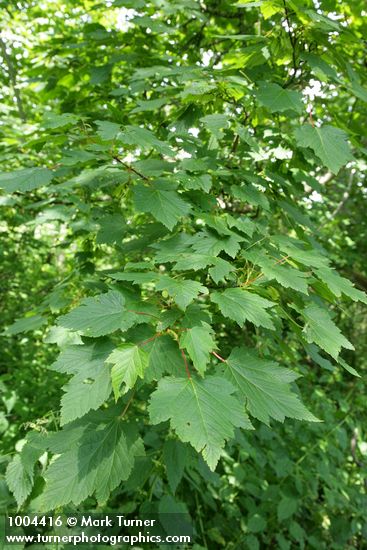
[131, 168]
[360, 279]
[338, 208]
[353, 451]
[293, 41]
[150, 339]
[186, 364]
[13, 79]
[346, 196]
[324, 179]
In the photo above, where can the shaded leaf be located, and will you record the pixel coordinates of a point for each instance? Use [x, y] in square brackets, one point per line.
[278, 99]
[26, 179]
[241, 306]
[328, 143]
[182, 291]
[202, 412]
[265, 387]
[323, 331]
[163, 202]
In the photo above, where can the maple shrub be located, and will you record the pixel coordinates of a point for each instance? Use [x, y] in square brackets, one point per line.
[182, 206]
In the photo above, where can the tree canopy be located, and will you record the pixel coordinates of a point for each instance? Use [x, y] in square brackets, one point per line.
[182, 239]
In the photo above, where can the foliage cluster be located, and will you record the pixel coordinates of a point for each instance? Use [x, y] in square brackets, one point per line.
[182, 239]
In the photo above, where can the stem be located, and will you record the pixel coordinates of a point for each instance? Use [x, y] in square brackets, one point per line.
[311, 119]
[247, 283]
[150, 339]
[127, 405]
[280, 262]
[131, 169]
[219, 357]
[198, 508]
[345, 196]
[142, 313]
[186, 364]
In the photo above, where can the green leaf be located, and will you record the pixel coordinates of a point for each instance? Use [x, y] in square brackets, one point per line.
[175, 458]
[99, 315]
[278, 99]
[19, 480]
[112, 229]
[129, 362]
[95, 455]
[135, 277]
[207, 243]
[25, 180]
[265, 387]
[195, 315]
[20, 471]
[83, 394]
[328, 143]
[321, 330]
[55, 121]
[243, 224]
[164, 358]
[300, 251]
[194, 261]
[256, 524]
[134, 135]
[215, 124]
[163, 202]
[286, 508]
[26, 324]
[85, 391]
[168, 249]
[202, 412]
[348, 368]
[182, 291]
[220, 270]
[241, 306]
[107, 131]
[199, 342]
[150, 105]
[195, 181]
[339, 285]
[76, 358]
[250, 193]
[284, 275]
[90, 386]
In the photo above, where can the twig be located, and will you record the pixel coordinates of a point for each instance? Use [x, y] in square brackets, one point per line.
[346, 195]
[353, 446]
[311, 119]
[293, 41]
[131, 168]
[186, 364]
[198, 508]
[142, 313]
[127, 405]
[338, 208]
[357, 462]
[281, 261]
[150, 339]
[219, 357]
